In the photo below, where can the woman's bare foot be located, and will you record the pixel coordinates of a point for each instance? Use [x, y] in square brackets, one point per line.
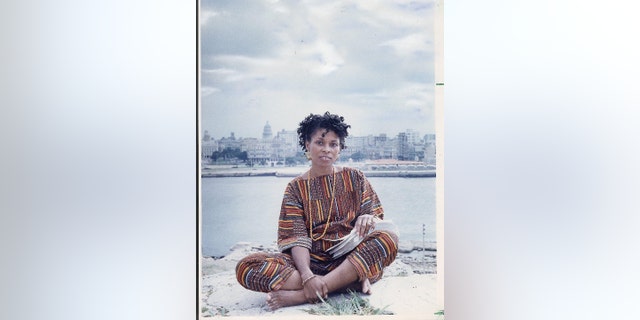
[362, 286]
[285, 298]
[366, 286]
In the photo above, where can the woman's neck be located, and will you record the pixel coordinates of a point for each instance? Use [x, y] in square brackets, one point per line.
[317, 172]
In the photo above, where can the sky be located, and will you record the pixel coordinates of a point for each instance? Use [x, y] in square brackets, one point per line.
[278, 61]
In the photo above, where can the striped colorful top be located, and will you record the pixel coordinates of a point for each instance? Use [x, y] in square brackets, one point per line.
[306, 199]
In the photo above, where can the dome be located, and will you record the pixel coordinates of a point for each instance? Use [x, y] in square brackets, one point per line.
[266, 132]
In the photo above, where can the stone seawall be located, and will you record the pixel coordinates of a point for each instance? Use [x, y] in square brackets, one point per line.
[402, 174]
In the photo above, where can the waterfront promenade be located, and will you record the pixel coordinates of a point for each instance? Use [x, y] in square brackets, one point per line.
[409, 171]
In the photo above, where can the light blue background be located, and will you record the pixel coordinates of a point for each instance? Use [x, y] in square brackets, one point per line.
[98, 162]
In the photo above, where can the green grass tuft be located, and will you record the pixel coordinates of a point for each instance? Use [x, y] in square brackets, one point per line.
[353, 304]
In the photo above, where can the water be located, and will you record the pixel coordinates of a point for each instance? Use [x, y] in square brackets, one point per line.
[247, 209]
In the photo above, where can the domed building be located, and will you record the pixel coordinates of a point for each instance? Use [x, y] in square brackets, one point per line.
[266, 132]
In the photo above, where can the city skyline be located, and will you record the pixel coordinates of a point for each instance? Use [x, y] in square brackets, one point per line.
[275, 131]
[279, 61]
[276, 147]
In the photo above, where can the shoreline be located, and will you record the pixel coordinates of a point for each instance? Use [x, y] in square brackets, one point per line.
[221, 171]
[369, 174]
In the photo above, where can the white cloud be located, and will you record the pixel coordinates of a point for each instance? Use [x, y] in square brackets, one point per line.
[226, 75]
[322, 57]
[409, 45]
[206, 91]
[208, 15]
[279, 61]
[397, 14]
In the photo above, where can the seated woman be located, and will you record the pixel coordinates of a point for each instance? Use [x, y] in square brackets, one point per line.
[320, 207]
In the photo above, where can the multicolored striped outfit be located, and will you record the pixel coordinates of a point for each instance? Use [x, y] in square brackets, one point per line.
[307, 201]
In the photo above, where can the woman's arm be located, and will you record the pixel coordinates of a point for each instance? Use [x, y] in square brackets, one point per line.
[302, 260]
[292, 228]
[312, 285]
[370, 208]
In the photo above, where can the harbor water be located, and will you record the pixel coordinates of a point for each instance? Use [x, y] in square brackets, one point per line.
[246, 209]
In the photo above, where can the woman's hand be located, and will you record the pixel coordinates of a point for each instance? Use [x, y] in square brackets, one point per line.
[365, 223]
[315, 287]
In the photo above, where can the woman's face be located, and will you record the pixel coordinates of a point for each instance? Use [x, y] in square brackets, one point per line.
[324, 147]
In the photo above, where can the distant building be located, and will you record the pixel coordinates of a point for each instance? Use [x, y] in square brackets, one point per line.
[430, 149]
[270, 150]
[380, 140]
[354, 145]
[258, 151]
[430, 153]
[229, 143]
[406, 149]
[206, 136]
[429, 138]
[208, 148]
[287, 143]
[266, 132]
[413, 137]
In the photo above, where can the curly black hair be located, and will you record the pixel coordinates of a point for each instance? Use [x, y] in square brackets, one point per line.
[326, 121]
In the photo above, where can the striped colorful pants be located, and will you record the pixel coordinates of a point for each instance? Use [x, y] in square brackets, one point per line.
[265, 272]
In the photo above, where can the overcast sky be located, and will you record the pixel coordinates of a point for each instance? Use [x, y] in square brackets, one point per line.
[278, 61]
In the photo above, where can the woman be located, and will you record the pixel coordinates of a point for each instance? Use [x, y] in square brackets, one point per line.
[320, 207]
